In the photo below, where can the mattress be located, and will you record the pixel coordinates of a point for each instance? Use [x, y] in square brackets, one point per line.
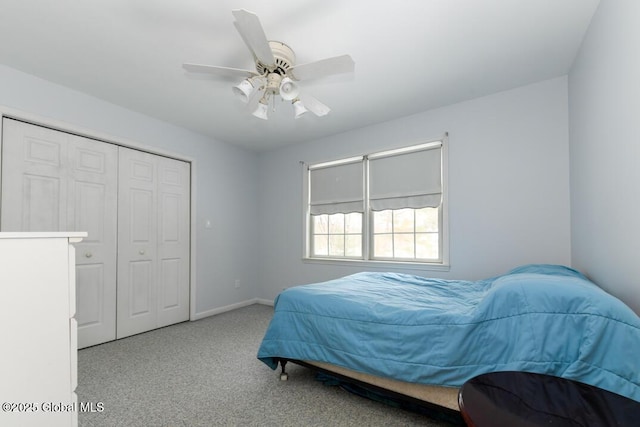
[536, 318]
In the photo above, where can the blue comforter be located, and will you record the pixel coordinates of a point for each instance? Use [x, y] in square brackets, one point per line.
[537, 318]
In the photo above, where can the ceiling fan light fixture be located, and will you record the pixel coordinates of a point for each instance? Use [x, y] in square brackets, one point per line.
[244, 89]
[289, 89]
[261, 111]
[298, 108]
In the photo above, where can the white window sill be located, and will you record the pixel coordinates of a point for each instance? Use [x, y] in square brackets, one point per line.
[404, 265]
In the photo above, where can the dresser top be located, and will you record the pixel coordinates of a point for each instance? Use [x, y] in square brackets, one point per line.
[74, 236]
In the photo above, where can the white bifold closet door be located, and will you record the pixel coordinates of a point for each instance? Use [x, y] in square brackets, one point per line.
[56, 181]
[153, 242]
[133, 269]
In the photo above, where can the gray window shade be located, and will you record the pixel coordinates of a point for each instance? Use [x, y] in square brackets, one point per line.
[406, 179]
[337, 188]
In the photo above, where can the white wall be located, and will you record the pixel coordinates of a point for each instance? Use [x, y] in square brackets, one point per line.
[225, 183]
[508, 186]
[604, 105]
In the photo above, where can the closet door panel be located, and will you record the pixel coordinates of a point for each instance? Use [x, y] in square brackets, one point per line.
[41, 207]
[174, 235]
[92, 190]
[142, 278]
[33, 178]
[141, 292]
[141, 217]
[90, 312]
[170, 284]
[137, 243]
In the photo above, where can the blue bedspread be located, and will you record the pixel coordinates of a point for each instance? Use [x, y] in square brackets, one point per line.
[537, 318]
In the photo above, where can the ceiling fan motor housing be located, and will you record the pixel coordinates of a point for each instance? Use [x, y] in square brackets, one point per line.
[284, 56]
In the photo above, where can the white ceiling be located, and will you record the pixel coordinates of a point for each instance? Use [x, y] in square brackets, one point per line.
[410, 55]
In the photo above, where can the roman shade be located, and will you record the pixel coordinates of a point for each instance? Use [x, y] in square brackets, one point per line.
[337, 187]
[406, 179]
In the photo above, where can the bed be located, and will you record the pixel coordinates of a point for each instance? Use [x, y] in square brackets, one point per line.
[424, 337]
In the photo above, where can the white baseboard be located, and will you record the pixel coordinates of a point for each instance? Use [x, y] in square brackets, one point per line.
[219, 310]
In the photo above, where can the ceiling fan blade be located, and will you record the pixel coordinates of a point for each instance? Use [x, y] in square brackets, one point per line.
[322, 68]
[244, 39]
[313, 105]
[220, 71]
[251, 31]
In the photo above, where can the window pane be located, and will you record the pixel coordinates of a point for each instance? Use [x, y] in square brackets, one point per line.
[427, 246]
[403, 221]
[320, 224]
[427, 220]
[403, 246]
[353, 223]
[320, 245]
[336, 245]
[353, 245]
[336, 223]
[382, 222]
[383, 246]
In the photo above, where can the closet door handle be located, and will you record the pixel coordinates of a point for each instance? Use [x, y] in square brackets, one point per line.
[141, 251]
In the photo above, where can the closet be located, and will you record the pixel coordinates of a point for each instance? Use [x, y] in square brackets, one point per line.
[132, 271]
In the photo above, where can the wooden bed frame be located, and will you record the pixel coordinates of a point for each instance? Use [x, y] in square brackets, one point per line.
[435, 401]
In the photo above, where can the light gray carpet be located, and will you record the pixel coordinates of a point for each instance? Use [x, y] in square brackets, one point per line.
[205, 373]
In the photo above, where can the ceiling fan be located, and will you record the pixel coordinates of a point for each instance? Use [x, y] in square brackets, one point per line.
[276, 71]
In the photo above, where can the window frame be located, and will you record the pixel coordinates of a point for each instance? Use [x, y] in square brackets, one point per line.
[443, 264]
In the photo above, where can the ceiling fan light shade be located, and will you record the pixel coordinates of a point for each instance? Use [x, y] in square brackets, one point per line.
[243, 90]
[261, 111]
[298, 108]
[289, 90]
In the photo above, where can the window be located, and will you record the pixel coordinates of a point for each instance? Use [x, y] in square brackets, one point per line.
[385, 206]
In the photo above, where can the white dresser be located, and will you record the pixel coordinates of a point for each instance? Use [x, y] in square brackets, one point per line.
[38, 332]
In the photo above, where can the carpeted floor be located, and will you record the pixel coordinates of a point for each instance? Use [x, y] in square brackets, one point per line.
[205, 373]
